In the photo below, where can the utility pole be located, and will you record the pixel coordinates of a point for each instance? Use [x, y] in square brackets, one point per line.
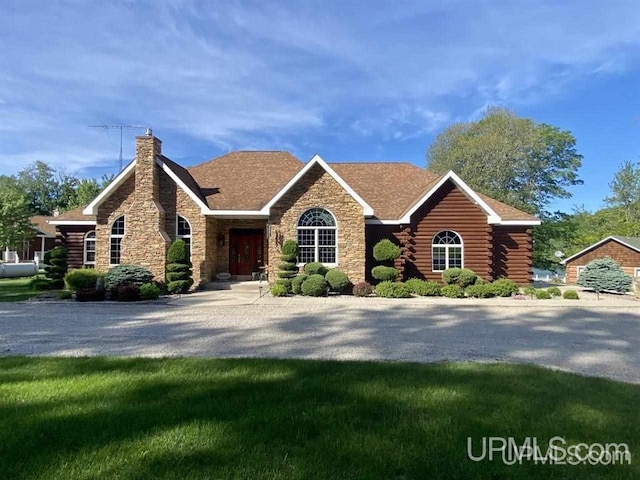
[121, 128]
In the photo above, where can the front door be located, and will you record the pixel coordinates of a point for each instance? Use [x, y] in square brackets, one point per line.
[245, 251]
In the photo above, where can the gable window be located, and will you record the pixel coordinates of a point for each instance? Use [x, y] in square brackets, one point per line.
[115, 241]
[183, 231]
[90, 248]
[317, 237]
[446, 251]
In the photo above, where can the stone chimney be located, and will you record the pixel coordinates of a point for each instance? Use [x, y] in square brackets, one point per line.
[147, 175]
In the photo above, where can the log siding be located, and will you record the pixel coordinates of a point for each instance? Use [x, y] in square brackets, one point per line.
[628, 258]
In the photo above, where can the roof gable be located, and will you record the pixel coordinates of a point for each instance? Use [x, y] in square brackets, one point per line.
[630, 242]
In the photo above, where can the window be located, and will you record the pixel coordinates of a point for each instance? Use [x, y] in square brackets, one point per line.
[90, 248]
[317, 231]
[446, 251]
[115, 241]
[579, 270]
[636, 271]
[183, 231]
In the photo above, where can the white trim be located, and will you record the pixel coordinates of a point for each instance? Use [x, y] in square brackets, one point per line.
[92, 208]
[316, 243]
[636, 271]
[203, 208]
[71, 222]
[597, 244]
[254, 214]
[376, 221]
[84, 248]
[532, 223]
[579, 270]
[447, 246]
[317, 160]
[117, 235]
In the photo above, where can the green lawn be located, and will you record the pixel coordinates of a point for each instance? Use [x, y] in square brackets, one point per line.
[274, 419]
[17, 289]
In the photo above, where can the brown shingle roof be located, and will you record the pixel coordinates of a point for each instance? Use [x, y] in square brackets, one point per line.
[185, 177]
[244, 180]
[390, 188]
[40, 222]
[506, 212]
[75, 214]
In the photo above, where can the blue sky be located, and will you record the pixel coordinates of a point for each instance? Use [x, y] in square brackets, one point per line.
[350, 80]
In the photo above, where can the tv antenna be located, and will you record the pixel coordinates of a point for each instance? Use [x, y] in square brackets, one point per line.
[105, 127]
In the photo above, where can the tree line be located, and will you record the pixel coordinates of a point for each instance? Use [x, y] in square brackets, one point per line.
[40, 189]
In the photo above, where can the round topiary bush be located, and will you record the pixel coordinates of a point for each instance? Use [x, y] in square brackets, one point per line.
[279, 290]
[416, 285]
[290, 247]
[481, 290]
[315, 268]
[386, 251]
[543, 295]
[338, 280]
[554, 291]
[149, 291]
[289, 257]
[570, 295]
[315, 286]
[605, 274]
[178, 269]
[296, 283]
[127, 274]
[452, 291]
[288, 269]
[467, 277]
[383, 273]
[504, 287]
[388, 289]
[56, 266]
[362, 289]
[82, 278]
[451, 276]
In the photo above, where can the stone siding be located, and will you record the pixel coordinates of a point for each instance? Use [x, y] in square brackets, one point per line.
[318, 189]
[224, 227]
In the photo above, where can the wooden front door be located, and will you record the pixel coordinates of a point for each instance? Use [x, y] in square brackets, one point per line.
[245, 251]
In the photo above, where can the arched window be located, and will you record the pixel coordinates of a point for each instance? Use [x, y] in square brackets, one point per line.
[90, 248]
[317, 237]
[183, 230]
[115, 240]
[446, 251]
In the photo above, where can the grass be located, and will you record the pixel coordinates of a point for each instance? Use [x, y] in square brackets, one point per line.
[93, 418]
[18, 289]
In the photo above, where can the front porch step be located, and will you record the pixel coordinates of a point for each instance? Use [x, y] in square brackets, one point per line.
[238, 285]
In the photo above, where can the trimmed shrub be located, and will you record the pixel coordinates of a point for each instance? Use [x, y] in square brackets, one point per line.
[40, 283]
[314, 286]
[386, 251]
[605, 274]
[89, 295]
[65, 295]
[315, 268]
[554, 291]
[481, 290]
[452, 291]
[285, 282]
[423, 288]
[289, 257]
[178, 269]
[570, 295]
[467, 277]
[296, 283]
[432, 289]
[128, 293]
[290, 247]
[56, 266]
[451, 276]
[362, 289]
[503, 287]
[338, 280]
[287, 268]
[279, 290]
[81, 278]
[543, 295]
[383, 273]
[127, 274]
[149, 291]
[529, 291]
[388, 289]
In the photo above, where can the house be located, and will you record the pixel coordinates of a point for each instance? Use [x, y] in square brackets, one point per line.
[43, 240]
[624, 250]
[235, 212]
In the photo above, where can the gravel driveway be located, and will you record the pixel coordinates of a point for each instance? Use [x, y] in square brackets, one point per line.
[600, 341]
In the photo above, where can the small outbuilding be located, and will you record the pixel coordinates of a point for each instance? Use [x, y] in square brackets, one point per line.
[624, 250]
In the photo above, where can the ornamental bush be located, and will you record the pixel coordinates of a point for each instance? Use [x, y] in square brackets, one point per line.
[529, 292]
[178, 269]
[149, 291]
[315, 268]
[338, 280]
[279, 290]
[451, 276]
[128, 292]
[386, 251]
[423, 288]
[285, 282]
[89, 295]
[290, 247]
[56, 266]
[82, 278]
[383, 273]
[467, 277]
[605, 274]
[362, 289]
[287, 269]
[296, 283]
[503, 287]
[388, 289]
[315, 286]
[543, 295]
[452, 291]
[554, 291]
[570, 295]
[127, 274]
[480, 290]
